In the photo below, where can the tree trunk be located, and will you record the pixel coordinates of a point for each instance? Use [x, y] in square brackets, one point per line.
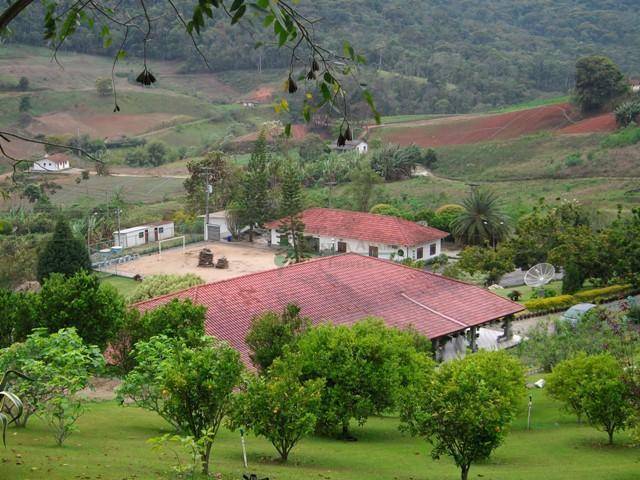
[251, 233]
[610, 433]
[205, 459]
[464, 472]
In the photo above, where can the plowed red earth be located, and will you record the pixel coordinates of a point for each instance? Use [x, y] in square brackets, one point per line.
[601, 123]
[481, 128]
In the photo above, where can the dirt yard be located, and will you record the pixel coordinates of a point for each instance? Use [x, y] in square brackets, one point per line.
[243, 259]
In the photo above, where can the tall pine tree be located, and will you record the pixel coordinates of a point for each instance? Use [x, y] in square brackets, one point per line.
[291, 206]
[63, 253]
[255, 188]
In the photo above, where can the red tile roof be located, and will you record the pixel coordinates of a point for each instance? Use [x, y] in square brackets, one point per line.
[365, 226]
[344, 289]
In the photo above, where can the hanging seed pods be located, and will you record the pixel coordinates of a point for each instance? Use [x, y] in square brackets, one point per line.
[146, 77]
[291, 85]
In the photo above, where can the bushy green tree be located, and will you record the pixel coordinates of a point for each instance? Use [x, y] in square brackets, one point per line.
[594, 386]
[494, 263]
[63, 253]
[142, 385]
[365, 368]
[198, 383]
[598, 82]
[364, 186]
[278, 406]
[270, 332]
[179, 319]
[80, 301]
[58, 366]
[465, 407]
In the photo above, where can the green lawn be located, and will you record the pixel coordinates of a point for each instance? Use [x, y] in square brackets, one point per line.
[111, 444]
[125, 286]
[527, 292]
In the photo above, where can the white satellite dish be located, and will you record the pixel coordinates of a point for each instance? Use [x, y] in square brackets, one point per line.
[539, 275]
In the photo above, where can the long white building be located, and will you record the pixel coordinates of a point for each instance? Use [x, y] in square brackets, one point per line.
[382, 236]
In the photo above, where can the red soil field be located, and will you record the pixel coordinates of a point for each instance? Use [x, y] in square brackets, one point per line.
[602, 123]
[98, 125]
[480, 128]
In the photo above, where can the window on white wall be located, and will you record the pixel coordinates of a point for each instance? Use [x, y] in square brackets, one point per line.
[161, 230]
[432, 249]
[419, 253]
[141, 235]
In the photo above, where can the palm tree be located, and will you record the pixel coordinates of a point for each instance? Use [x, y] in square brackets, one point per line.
[483, 220]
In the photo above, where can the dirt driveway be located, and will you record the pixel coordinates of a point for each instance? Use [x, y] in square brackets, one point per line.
[243, 258]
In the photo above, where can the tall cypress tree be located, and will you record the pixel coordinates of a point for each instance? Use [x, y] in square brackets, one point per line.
[291, 206]
[63, 253]
[255, 188]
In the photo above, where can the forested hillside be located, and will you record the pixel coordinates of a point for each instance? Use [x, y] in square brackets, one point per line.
[440, 56]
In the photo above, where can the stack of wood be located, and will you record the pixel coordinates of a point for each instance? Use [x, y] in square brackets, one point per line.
[205, 258]
[222, 263]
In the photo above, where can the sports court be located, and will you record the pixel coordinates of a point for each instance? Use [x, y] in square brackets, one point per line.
[243, 258]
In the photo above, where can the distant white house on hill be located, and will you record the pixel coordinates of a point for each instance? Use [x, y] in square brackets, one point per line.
[635, 85]
[52, 163]
[341, 231]
[143, 234]
[359, 146]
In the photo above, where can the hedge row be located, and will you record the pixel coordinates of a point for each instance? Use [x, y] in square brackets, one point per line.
[596, 295]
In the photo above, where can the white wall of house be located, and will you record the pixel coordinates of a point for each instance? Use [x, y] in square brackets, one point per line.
[136, 236]
[131, 237]
[362, 148]
[161, 232]
[429, 249]
[46, 165]
[219, 219]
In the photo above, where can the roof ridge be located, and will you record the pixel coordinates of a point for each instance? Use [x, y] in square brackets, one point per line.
[432, 274]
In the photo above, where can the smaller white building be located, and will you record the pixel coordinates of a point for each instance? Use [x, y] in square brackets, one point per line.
[52, 163]
[359, 146]
[332, 231]
[143, 234]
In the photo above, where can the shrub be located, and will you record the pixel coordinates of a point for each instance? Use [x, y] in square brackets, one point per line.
[157, 285]
[629, 135]
[628, 113]
[514, 295]
[605, 293]
[550, 304]
[573, 160]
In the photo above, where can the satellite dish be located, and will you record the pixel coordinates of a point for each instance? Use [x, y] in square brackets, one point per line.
[539, 275]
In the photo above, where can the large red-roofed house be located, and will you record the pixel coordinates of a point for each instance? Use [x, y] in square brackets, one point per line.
[383, 236]
[344, 289]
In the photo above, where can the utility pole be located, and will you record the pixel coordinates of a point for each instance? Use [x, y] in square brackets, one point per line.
[118, 220]
[207, 193]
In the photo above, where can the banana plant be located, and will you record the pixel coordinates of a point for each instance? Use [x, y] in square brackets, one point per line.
[10, 405]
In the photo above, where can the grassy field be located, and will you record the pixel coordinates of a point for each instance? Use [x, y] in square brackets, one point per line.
[601, 194]
[539, 102]
[97, 189]
[112, 445]
[527, 292]
[543, 155]
[125, 286]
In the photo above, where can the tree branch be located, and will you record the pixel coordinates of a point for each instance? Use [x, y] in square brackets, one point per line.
[12, 12]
